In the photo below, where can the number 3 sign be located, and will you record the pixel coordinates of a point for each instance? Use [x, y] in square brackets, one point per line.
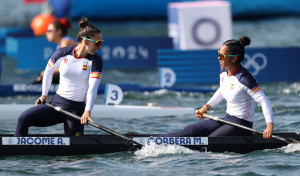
[113, 94]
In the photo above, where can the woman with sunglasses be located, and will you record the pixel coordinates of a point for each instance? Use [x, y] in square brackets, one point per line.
[57, 33]
[80, 70]
[241, 91]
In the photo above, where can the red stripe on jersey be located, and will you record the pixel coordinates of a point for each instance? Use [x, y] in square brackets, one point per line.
[256, 89]
[50, 63]
[97, 75]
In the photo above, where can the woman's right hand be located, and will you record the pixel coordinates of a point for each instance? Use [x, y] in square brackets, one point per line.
[268, 131]
[200, 112]
[41, 100]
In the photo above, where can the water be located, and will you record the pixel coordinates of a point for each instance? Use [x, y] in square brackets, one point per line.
[170, 160]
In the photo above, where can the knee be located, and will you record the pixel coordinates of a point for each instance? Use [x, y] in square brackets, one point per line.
[23, 118]
[191, 130]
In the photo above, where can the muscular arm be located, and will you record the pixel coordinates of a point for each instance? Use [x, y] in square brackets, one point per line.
[94, 82]
[48, 74]
[261, 98]
[216, 98]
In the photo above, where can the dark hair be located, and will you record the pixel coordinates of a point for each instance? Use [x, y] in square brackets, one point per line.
[238, 47]
[86, 29]
[62, 24]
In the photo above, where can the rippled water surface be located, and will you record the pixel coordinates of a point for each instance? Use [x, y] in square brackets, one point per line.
[171, 160]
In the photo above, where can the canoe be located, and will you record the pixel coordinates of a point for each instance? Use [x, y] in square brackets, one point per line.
[59, 145]
[108, 111]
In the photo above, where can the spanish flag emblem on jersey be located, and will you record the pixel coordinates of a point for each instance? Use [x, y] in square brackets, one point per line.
[232, 86]
[84, 65]
[50, 63]
[96, 75]
[255, 89]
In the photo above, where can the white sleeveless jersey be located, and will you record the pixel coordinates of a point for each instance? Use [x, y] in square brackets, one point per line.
[241, 92]
[79, 77]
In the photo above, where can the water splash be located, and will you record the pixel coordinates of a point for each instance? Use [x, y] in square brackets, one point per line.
[291, 148]
[154, 150]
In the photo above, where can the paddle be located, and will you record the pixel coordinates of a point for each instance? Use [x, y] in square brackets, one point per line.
[215, 118]
[57, 108]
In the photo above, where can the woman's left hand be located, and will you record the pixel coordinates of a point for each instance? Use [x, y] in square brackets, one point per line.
[200, 112]
[268, 131]
[86, 116]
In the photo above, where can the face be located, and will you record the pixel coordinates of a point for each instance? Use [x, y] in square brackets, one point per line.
[226, 62]
[92, 47]
[52, 34]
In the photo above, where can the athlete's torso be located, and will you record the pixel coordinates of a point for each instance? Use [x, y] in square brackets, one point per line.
[236, 89]
[76, 72]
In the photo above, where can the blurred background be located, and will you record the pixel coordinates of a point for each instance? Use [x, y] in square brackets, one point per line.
[141, 37]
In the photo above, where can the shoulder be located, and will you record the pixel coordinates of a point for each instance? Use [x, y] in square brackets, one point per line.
[60, 52]
[67, 41]
[96, 61]
[95, 58]
[246, 78]
[64, 51]
[68, 38]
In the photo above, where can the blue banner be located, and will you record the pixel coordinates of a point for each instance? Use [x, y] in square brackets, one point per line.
[120, 9]
[273, 64]
[202, 66]
[132, 52]
[138, 52]
[33, 53]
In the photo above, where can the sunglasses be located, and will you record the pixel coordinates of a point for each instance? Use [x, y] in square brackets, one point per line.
[222, 56]
[50, 30]
[98, 42]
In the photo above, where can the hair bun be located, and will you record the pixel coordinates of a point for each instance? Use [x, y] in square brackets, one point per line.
[83, 22]
[245, 40]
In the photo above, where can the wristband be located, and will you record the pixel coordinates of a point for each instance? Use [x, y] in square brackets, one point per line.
[207, 106]
[39, 101]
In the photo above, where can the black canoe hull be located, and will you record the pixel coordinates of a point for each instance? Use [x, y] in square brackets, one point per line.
[102, 144]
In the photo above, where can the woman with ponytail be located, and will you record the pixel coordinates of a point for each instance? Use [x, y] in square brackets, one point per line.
[57, 33]
[241, 91]
[80, 70]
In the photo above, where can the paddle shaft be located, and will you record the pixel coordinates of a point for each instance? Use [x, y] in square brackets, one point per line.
[218, 119]
[57, 108]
